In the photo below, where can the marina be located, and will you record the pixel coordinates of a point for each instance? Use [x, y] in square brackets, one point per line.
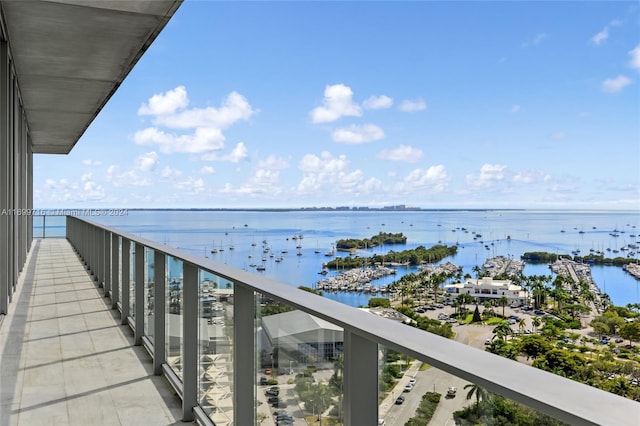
[507, 234]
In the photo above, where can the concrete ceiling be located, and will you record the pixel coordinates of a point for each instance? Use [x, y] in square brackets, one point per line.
[70, 57]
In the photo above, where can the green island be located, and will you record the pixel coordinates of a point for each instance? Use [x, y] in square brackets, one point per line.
[416, 256]
[383, 238]
[596, 259]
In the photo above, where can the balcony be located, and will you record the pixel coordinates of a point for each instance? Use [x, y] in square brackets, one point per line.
[110, 328]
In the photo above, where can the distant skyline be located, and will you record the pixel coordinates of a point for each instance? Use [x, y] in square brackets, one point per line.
[437, 105]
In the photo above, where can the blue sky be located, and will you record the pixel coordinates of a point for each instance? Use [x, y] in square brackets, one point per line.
[428, 104]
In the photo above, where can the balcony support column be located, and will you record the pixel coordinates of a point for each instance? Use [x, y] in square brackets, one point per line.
[360, 380]
[159, 311]
[115, 270]
[244, 361]
[189, 340]
[126, 279]
[139, 296]
[5, 178]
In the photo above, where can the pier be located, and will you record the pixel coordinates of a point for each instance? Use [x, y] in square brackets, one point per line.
[356, 280]
[501, 265]
[633, 269]
[578, 272]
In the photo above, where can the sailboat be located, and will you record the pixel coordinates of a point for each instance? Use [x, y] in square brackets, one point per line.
[214, 250]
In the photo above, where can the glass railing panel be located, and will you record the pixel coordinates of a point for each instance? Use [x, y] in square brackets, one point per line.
[215, 331]
[49, 226]
[173, 303]
[299, 367]
[413, 393]
[149, 278]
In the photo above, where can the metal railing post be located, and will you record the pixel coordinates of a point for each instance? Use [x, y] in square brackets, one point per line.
[360, 380]
[106, 249]
[126, 278]
[115, 270]
[189, 340]
[159, 311]
[139, 296]
[244, 365]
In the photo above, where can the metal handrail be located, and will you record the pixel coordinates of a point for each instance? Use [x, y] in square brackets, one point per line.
[561, 398]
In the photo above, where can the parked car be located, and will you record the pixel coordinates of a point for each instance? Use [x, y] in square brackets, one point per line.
[263, 381]
[273, 399]
[618, 340]
[399, 400]
[487, 342]
[272, 392]
[451, 392]
[412, 381]
[408, 387]
[279, 404]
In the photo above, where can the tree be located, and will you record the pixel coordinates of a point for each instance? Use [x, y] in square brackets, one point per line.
[481, 394]
[536, 323]
[631, 331]
[503, 301]
[533, 345]
[503, 330]
[599, 327]
[522, 323]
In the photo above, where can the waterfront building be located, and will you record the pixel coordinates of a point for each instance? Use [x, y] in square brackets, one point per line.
[488, 288]
[80, 317]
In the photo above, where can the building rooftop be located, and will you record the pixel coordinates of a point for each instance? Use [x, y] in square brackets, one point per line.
[71, 56]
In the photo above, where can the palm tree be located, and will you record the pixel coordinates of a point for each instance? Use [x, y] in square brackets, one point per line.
[503, 330]
[481, 394]
[435, 280]
[536, 323]
[503, 301]
[521, 324]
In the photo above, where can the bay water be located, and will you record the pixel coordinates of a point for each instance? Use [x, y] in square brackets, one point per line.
[480, 234]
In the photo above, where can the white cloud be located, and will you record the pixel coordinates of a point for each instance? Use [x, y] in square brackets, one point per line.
[234, 108]
[358, 134]
[516, 108]
[147, 162]
[433, 179]
[634, 62]
[192, 130]
[337, 102]
[600, 37]
[409, 105]
[615, 22]
[170, 173]
[237, 154]
[489, 175]
[91, 162]
[165, 103]
[92, 191]
[530, 177]
[191, 185]
[405, 153]
[127, 178]
[202, 140]
[535, 41]
[557, 135]
[378, 102]
[273, 163]
[325, 163]
[86, 177]
[614, 85]
[207, 170]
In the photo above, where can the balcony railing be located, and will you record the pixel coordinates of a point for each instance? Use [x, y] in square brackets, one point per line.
[207, 329]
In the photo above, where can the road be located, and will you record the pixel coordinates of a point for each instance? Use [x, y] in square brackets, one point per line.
[427, 381]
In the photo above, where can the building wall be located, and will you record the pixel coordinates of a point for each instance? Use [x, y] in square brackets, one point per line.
[16, 177]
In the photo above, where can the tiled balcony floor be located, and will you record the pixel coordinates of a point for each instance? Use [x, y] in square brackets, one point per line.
[66, 360]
